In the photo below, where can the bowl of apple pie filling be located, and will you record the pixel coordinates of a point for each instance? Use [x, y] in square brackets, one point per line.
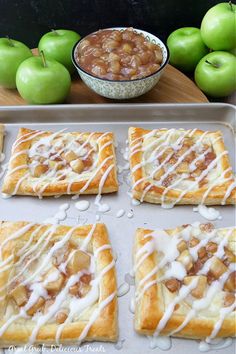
[120, 63]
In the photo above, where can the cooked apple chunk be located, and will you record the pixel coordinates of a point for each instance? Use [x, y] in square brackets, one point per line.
[193, 242]
[61, 316]
[199, 291]
[70, 156]
[48, 303]
[173, 285]
[229, 256]
[53, 280]
[211, 247]
[79, 289]
[182, 245]
[77, 165]
[230, 284]
[37, 306]
[79, 261]
[19, 294]
[229, 299]
[186, 259]
[40, 170]
[217, 268]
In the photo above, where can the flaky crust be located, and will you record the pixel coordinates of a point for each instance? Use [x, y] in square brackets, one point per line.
[154, 194]
[60, 187]
[151, 307]
[1, 137]
[105, 326]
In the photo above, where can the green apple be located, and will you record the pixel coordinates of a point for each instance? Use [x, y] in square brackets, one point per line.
[215, 74]
[218, 28]
[12, 53]
[186, 48]
[58, 45]
[41, 81]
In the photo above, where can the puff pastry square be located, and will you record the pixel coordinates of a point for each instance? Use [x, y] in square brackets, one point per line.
[57, 284]
[185, 281]
[47, 163]
[177, 166]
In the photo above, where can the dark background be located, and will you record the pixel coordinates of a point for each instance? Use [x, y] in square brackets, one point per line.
[28, 20]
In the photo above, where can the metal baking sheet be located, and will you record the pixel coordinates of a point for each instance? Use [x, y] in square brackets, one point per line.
[118, 118]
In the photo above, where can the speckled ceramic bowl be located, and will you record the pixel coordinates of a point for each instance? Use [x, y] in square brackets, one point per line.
[124, 89]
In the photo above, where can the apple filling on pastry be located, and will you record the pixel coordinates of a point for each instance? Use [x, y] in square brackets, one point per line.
[51, 282]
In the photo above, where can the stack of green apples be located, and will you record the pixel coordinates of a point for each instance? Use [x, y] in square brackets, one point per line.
[208, 51]
[42, 79]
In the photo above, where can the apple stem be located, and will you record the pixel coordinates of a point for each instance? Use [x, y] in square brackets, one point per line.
[10, 41]
[215, 65]
[43, 58]
[231, 6]
[54, 31]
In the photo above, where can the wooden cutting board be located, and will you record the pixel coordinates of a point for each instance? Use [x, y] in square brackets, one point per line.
[173, 87]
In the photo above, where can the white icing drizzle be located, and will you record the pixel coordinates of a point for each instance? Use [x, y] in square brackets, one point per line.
[97, 217]
[2, 157]
[135, 202]
[3, 169]
[123, 168]
[120, 213]
[223, 313]
[228, 192]
[48, 233]
[59, 216]
[95, 315]
[130, 214]
[208, 213]
[163, 343]
[123, 289]
[103, 207]
[88, 238]
[119, 344]
[82, 205]
[18, 184]
[5, 196]
[132, 305]
[77, 306]
[15, 235]
[55, 306]
[221, 344]
[221, 179]
[26, 137]
[17, 169]
[200, 178]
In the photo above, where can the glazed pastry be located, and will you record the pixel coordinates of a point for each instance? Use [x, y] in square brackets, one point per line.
[47, 163]
[185, 281]
[1, 138]
[177, 166]
[57, 284]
